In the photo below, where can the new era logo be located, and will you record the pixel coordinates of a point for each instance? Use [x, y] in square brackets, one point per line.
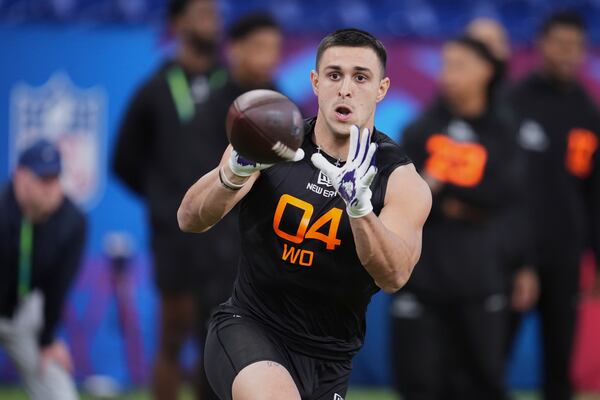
[323, 179]
[337, 397]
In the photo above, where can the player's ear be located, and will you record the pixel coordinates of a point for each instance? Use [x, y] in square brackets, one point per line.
[314, 80]
[384, 85]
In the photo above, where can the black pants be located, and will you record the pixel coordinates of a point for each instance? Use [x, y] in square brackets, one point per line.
[449, 351]
[559, 286]
[235, 341]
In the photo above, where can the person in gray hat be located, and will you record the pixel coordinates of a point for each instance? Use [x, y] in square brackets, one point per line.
[42, 235]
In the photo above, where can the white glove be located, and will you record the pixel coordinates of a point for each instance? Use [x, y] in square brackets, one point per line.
[241, 166]
[352, 181]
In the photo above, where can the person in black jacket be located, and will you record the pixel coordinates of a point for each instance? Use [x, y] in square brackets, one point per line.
[515, 228]
[164, 139]
[559, 128]
[253, 49]
[450, 322]
[172, 132]
[42, 235]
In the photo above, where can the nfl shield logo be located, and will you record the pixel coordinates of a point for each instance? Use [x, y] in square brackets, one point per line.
[70, 117]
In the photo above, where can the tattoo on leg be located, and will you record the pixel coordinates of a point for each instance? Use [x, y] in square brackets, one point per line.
[273, 364]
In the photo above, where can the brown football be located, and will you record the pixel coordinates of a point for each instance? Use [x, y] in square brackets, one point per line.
[265, 126]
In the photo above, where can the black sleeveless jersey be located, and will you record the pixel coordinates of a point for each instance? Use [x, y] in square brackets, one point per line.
[299, 273]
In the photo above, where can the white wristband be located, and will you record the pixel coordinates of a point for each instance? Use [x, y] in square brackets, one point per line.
[227, 183]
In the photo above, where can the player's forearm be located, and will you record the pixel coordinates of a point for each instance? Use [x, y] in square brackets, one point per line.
[208, 201]
[386, 256]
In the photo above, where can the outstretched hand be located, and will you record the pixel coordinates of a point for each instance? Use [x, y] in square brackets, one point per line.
[244, 167]
[353, 179]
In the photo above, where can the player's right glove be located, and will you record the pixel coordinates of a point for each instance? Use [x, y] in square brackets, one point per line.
[352, 181]
[244, 167]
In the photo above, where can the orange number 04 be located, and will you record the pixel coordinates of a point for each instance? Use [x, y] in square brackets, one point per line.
[332, 216]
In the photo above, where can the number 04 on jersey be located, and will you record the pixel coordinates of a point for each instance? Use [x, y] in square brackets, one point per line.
[305, 230]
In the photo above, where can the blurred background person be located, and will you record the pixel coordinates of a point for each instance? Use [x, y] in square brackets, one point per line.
[559, 128]
[173, 132]
[493, 34]
[514, 227]
[167, 139]
[253, 51]
[42, 236]
[450, 321]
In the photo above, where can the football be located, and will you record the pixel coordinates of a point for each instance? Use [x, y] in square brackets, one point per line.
[265, 126]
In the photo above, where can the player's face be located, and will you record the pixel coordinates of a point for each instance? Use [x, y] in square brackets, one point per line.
[563, 51]
[258, 55]
[39, 196]
[464, 73]
[348, 84]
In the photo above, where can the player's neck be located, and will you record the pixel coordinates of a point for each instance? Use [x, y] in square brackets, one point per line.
[331, 143]
[193, 61]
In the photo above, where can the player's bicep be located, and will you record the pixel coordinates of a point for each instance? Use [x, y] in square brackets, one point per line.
[407, 205]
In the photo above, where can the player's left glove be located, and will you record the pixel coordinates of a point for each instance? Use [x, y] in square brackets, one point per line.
[352, 180]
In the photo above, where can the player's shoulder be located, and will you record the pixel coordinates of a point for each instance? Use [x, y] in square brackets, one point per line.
[389, 153]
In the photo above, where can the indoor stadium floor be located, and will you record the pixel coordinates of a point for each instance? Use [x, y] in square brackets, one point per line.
[356, 394]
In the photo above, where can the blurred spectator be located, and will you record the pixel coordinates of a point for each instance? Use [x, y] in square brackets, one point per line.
[491, 33]
[254, 51]
[254, 44]
[42, 236]
[514, 227]
[173, 132]
[450, 321]
[559, 127]
[168, 138]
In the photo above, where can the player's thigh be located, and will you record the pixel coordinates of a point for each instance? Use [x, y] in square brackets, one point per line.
[264, 380]
[234, 343]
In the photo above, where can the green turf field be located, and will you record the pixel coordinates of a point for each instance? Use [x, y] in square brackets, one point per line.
[356, 394]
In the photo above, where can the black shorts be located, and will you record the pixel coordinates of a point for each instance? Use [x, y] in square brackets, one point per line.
[235, 341]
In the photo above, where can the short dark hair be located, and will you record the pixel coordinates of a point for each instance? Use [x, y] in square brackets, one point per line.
[352, 38]
[568, 18]
[251, 23]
